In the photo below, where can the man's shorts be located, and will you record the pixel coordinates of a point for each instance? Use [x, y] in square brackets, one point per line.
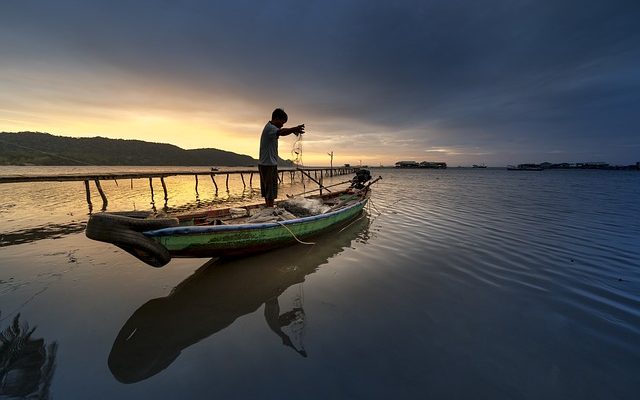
[268, 181]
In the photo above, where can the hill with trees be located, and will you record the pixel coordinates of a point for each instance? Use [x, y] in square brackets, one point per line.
[36, 148]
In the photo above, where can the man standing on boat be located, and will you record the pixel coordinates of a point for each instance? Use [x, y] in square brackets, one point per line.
[268, 163]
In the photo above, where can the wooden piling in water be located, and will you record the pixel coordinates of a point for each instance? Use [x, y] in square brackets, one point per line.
[164, 188]
[88, 193]
[151, 186]
[214, 183]
[251, 180]
[242, 177]
[196, 184]
[105, 202]
[227, 182]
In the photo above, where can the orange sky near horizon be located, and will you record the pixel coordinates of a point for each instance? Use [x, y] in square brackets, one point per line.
[186, 131]
[116, 105]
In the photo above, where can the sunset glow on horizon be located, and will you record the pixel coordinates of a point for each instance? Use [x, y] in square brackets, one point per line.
[374, 83]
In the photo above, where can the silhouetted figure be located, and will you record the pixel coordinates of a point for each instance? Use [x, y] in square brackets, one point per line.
[268, 161]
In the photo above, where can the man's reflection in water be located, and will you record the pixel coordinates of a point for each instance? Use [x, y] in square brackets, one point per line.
[214, 297]
[26, 364]
[277, 321]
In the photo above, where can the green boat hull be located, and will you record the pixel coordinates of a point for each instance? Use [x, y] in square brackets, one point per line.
[236, 240]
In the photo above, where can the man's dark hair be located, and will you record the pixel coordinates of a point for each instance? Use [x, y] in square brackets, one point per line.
[279, 113]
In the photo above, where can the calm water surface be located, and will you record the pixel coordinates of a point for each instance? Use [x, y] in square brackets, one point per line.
[457, 284]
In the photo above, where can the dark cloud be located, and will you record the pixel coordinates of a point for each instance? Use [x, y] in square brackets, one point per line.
[509, 74]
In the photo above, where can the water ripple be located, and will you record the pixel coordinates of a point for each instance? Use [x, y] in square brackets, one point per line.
[573, 241]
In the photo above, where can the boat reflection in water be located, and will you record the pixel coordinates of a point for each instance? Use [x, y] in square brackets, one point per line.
[215, 296]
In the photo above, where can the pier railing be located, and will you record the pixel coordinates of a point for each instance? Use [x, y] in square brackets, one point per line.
[314, 174]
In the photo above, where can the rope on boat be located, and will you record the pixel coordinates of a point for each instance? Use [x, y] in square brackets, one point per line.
[376, 208]
[380, 213]
[293, 234]
[352, 222]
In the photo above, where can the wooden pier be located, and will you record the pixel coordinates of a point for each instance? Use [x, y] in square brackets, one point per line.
[313, 174]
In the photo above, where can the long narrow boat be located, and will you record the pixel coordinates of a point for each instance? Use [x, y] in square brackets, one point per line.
[227, 232]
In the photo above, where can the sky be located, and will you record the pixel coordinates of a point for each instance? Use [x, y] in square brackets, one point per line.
[492, 82]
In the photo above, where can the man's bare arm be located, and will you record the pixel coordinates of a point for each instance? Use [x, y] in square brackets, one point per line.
[296, 130]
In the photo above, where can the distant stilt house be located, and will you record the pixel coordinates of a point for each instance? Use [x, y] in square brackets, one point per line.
[593, 165]
[433, 165]
[424, 164]
[407, 164]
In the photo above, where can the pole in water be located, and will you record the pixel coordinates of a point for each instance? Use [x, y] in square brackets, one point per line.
[251, 180]
[104, 197]
[227, 183]
[164, 188]
[151, 186]
[88, 193]
[242, 177]
[214, 183]
[196, 184]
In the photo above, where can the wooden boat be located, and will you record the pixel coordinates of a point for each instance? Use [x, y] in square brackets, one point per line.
[216, 297]
[225, 232]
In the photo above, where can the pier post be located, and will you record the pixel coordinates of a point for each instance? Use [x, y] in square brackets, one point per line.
[104, 197]
[88, 192]
[214, 183]
[164, 188]
[227, 182]
[151, 187]
[251, 180]
[196, 184]
[242, 177]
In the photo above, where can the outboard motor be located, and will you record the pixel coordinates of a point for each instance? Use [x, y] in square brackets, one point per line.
[362, 176]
